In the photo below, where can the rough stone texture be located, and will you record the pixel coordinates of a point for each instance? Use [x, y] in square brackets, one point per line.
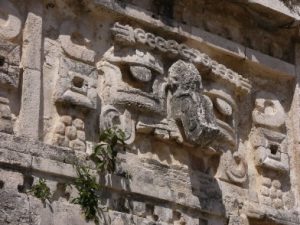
[207, 93]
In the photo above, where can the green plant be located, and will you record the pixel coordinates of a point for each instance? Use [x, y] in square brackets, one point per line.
[87, 187]
[104, 157]
[106, 151]
[41, 190]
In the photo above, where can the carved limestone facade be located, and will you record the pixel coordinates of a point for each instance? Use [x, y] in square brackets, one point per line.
[206, 92]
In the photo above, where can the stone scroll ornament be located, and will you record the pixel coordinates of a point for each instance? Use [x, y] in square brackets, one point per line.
[167, 102]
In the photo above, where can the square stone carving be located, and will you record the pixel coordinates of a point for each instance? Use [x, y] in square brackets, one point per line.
[76, 84]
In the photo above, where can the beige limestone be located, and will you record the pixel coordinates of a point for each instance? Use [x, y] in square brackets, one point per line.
[206, 92]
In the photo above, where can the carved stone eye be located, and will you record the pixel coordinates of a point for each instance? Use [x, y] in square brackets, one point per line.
[223, 107]
[141, 73]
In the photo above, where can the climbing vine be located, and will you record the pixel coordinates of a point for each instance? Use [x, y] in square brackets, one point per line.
[104, 156]
[87, 187]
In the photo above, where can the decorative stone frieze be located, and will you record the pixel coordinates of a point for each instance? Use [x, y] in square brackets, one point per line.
[206, 93]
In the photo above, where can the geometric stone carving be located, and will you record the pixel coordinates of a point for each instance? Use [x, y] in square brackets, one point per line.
[271, 193]
[11, 27]
[70, 132]
[268, 111]
[5, 116]
[270, 150]
[189, 106]
[127, 35]
[76, 84]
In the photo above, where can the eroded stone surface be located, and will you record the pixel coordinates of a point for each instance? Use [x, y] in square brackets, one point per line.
[211, 125]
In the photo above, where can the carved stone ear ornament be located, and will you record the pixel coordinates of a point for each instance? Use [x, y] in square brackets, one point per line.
[237, 170]
[111, 117]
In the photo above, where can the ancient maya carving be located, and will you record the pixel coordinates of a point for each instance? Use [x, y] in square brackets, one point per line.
[188, 106]
[137, 80]
[9, 61]
[206, 95]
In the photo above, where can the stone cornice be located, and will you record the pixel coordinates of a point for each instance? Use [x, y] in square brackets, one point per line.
[261, 63]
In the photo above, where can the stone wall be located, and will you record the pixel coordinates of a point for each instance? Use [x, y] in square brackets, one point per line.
[207, 93]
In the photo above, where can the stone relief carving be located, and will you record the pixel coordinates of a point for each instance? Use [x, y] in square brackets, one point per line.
[269, 144]
[135, 79]
[70, 132]
[5, 116]
[136, 93]
[268, 111]
[271, 193]
[9, 61]
[189, 107]
[9, 64]
[127, 35]
[74, 41]
[76, 84]
[111, 117]
[270, 150]
[75, 87]
[237, 170]
[225, 110]
[233, 167]
[148, 85]
[11, 27]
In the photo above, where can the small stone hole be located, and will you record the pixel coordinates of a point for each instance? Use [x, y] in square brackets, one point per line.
[2, 60]
[78, 82]
[1, 184]
[203, 222]
[274, 149]
[155, 217]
